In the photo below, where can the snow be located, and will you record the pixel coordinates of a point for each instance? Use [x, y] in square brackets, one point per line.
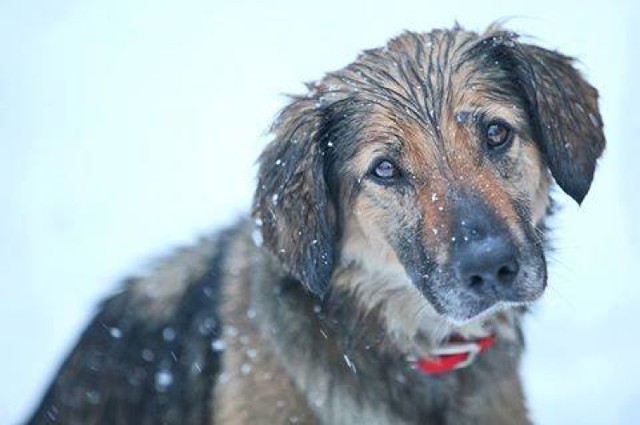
[168, 334]
[218, 345]
[164, 379]
[245, 369]
[130, 127]
[148, 355]
[350, 363]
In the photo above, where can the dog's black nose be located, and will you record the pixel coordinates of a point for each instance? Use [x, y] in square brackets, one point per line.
[486, 263]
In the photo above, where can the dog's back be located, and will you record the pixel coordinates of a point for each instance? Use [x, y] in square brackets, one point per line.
[152, 353]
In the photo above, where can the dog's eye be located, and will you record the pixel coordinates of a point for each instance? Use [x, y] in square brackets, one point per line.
[498, 134]
[385, 170]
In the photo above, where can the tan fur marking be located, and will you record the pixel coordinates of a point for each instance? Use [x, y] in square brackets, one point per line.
[253, 388]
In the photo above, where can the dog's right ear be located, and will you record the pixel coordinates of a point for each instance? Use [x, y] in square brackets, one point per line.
[291, 202]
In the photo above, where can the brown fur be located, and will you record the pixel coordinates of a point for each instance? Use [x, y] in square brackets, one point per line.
[352, 276]
[254, 380]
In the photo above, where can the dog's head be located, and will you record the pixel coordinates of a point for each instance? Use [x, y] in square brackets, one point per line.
[428, 163]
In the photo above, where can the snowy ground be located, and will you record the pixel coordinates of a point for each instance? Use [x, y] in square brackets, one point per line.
[129, 127]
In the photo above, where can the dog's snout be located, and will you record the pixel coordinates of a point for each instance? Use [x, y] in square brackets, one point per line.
[487, 266]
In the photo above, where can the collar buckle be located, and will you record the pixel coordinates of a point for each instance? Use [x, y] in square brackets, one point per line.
[471, 349]
[456, 354]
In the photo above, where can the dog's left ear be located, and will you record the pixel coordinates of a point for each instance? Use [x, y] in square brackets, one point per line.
[292, 202]
[564, 113]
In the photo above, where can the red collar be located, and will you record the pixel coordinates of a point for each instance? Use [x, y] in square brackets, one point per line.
[455, 354]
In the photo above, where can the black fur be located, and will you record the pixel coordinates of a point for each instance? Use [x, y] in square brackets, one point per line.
[562, 106]
[299, 180]
[292, 198]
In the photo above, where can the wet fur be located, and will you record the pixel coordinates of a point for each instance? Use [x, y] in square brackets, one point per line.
[315, 323]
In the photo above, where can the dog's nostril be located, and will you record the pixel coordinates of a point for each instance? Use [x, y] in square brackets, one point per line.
[476, 281]
[507, 273]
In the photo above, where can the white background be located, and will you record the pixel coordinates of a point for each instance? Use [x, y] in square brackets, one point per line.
[127, 128]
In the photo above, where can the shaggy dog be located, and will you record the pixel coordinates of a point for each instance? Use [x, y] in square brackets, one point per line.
[397, 238]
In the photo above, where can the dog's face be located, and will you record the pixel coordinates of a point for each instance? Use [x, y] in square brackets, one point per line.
[430, 161]
[455, 198]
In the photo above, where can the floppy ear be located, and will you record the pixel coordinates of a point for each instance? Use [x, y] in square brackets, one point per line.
[292, 200]
[564, 113]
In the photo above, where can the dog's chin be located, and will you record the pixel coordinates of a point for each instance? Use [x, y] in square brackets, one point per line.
[465, 317]
[458, 306]
[464, 311]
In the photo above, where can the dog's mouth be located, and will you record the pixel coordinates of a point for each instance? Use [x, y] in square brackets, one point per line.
[460, 319]
[461, 301]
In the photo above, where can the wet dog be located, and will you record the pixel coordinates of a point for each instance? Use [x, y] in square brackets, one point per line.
[397, 237]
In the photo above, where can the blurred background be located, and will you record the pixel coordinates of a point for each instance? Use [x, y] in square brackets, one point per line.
[128, 128]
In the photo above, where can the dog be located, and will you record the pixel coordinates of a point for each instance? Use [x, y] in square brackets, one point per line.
[397, 238]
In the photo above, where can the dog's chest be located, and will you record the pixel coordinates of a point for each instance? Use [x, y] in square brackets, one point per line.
[282, 366]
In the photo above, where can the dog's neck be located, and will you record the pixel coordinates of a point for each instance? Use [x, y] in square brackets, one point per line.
[334, 353]
[412, 328]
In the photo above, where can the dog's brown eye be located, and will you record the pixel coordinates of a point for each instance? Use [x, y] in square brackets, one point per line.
[498, 134]
[385, 169]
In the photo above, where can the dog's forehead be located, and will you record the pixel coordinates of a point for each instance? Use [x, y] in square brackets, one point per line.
[419, 92]
[425, 60]
[422, 102]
